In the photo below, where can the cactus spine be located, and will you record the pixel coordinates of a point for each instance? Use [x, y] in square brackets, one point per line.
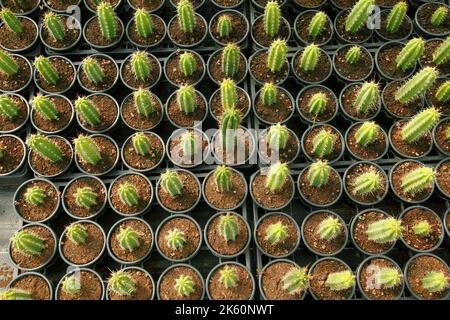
[276, 177]
[418, 180]
[230, 60]
[54, 25]
[443, 92]
[295, 280]
[93, 70]
[277, 137]
[228, 277]
[396, 16]
[358, 15]
[222, 177]
[228, 94]
[317, 103]
[77, 233]
[186, 16]
[269, 94]
[224, 26]
[129, 239]
[15, 294]
[141, 144]
[323, 143]
[122, 283]
[318, 174]
[11, 21]
[276, 233]
[143, 102]
[388, 277]
[353, 55]
[367, 98]
[422, 228]
[410, 54]
[416, 85]
[342, 280]
[276, 56]
[7, 64]
[46, 69]
[435, 281]
[140, 65]
[367, 183]
[367, 133]
[144, 23]
[186, 99]
[317, 24]
[272, 17]
[231, 119]
[86, 197]
[184, 285]
[87, 150]
[309, 58]
[171, 183]
[35, 196]
[420, 125]
[71, 285]
[107, 20]
[385, 230]
[329, 228]
[27, 243]
[128, 194]
[87, 111]
[44, 107]
[229, 227]
[187, 64]
[175, 238]
[439, 15]
[8, 107]
[45, 147]
[442, 53]
[189, 144]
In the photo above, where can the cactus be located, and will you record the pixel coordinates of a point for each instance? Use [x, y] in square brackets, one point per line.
[323, 143]
[141, 144]
[228, 227]
[272, 17]
[230, 60]
[2, 154]
[175, 239]
[396, 16]
[71, 285]
[45, 107]
[268, 94]
[277, 137]
[87, 150]
[77, 233]
[186, 16]
[222, 177]
[189, 144]
[144, 23]
[342, 280]
[54, 25]
[11, 21]
[442, 53]
[187, 64]
[184, 284]
[128, 194]
[86, 197]
[447, 133]
[358, 15]
[186, 99]
[367, 98]
[353, 55]
[443, 92]
[295, 280]
[107, 20]
[46, 69]
[228, 94]
[15, 294]
[122, 283]
[317, 103]
[416, 85]
[87, 111]
[129, 239]
[329, 228]
[8, 107]
[388, 277]
[140, 65]
[410, 54]
[420, 125]
[7, 64]
[422, 228]
[318, 174]
[35, 196]
[435, 281]
[276, 177]
[224, 26]
[45, 147]
[309, 58]
[366, 183]
[385, 230]
[171, 183]
[228, 277]
[418, 180]
[439, 15]
[143, 102]
[93, 70]
[28, 243]
[367, 133]
[276, 233]
[231, 119]
[317, 24]
[276, 56]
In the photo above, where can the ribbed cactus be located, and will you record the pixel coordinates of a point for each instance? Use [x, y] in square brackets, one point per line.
[229, 227]
[276, 56]
[338, 281]
[35, 196]
[358, 15]
[388, 277]
[144, 23]
[8, 107]
[435, 281]
[418, 179]
[11, 21]
[442, 53]
[421, 228]
[189, 144]
[385, 230]
[224, 26]
[277, 137]
[44, 107]
[438, 16]
[141, 144]
[230, 60]
[15, 294]
[317, 24]
[323, 143]
[295, 280]
[140, 65]
[129, 239]
[27, 243]
[71, 285]
[44, 147]
[272, 17]
[54, 25]
[317, 103]
[228, 94]
[186, 99]
[46, 69]
[309, 58]
[269, 93]
[318, 174]
[276, 233]
[366, 183]
[229, 124]
[420, 125]
[122, 283]
[77, 233]
[187, 64]
[128, 194]
[86, 197]
[353, 55]
[107, 20]
[329, 228]
[93, 70]
[443, 92]
[367, 133]
[416, 85]
[276, 177]
[87, 111]
[222, 177]
[410, 54]
[175, 239]
[87, 150]
[184, 284]
[171, 183]
[143, 102]
[228, 277]
[7, 64]
[186, 16]
[367, 98]
[396, 16]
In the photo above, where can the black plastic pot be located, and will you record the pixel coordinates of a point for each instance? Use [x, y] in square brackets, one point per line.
[134, 268]
[421, 30]
[29, 12]
[141, 46]
[28, 48]
[287, 93]
[205, 153]
[260, 82]
[336, 71]
[446, 227]
[282, 21]
[80, 123]
[384, 75]
[189, 46]
[65, 91]
[147, 169]
[299, 78]
[341, 38]
[337, 7]
[70, 47]
[302, 41]
[75, 273]
[27, 85]
[216, 16]
[173, 95]
[263, 157]
[346, 137]
[80, 70]
[441, 191]
[36, 274]
[176, 266]
[441, 75]
[350, 117]
[59, 131]
[130, 96]
[217, 52]
[398, 152]
[217, 92]
[122, 66]
[310, 121]
[445, 120]
[178, 52]
[313, 127]
[302, 7]
[384, 38]
[22, 125]
[66, 10]
[24, 158]
[108, 47]
[388, 112]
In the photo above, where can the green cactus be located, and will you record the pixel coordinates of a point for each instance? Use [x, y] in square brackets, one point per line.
[277, 137]
[329, 228]
[128, 194]
[141, 144]
[353, 55]
[416, 85]
[358, 15]
[8, 107]
[175, 239]
[15, 294]
[186, 99]
[418, 180]
[54, 25]
[338, 281]
[396, 16]
[11, 21]
[228, 94]
[318, 174]
[229, 227]
[7, 64]
[28, 243]
[186, 16]
[184, 284]
[230, 122]
[385, 230]
[295, 280]
[276, 56]
[171, 183]
[317, 24]
[87, 111]
[272, 17]
[87, 150]
[144, 23]
[45, 107]
[229, 277]
[309, 58]
[367, 182]
[230, 60]
[269, 93]
[93, 70]
[107, 20]
[323, 143]
[86, 197]
[222, 177]
[45, 147]
[276, 233]
[46, 69]
[439, 15]
[410, 54]
[447, 133]
[367, 98]
[435, 281]
[421, 228]
[143, 102]
[420, 125]
[388, 277]
[35, 196]
[71, 285]
[317, 103]
[276, 177]
[189, 144]
[367, 133]
[129, 239]
[77, 233]
[140, 65]
[443, 92]
[122, 283]
[187, 64]
[442, 53]
[224, 26]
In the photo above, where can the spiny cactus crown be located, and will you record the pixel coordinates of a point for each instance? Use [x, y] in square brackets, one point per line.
[295, 280]
[35, 196]
[15, 294]
[71, 285]
[184, 285]
[277, 137]
[189, 144]
[187, 64]
[309, 58]
[368, 98]
[276, 177]
[128, 194]
[358, 15]
[416, 85]
[276, 233]
[317, 103]
[417, 180]
[229, 124]
[86, 197]
[77, 233]
[329, 228]
[410, 54]
[443, 92]
[269, 93]
[388, 277]
[141, 144]
[45, 147]
[421, 228]
[385, 230]
[353, 55]
[272, 17]
[93, 70]
[318, 174]
[342, 280]
[175, 239]
[323, 143]
[367, 133]
[186, 16]
[44, 107]
[46, 69]
[7, 64]
[442, 53]
[230, 60]
[55, 26]
[28, 243]
[229, 227]
[396, 16]
[420, 125]
[107, 20]
[143, 102]
[129, 239]
[8, 107]
[171, 183]
[439, 15]
[224, 26]
[87, 111]
[277, 55]
[140, 65]
[317, 24]
[11, 20]
[229, 277]
[228, 94]
[186, 99]
[222, 177]
[122, 283]
[367, 182]
[87, 150]
[435, 281]
[144, 23]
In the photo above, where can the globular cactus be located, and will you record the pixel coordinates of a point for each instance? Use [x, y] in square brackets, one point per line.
[122, 283]
[277, 137]
[367, 98]
[272, 17]
[187, 64]
[323, 143]
[396, 16]
[367, 133]
[318, 174]
[129, 239]
[15, 294]
[222, 177]
[269, 93]
[435, 281]
[186, 99]
[7, 64]
[420, 125]
[224, 26]
[143, 102]
[35, 196]
[317, 24]
[229, 277]
[439, 15]
[141, 144]
[171, 183]
[11, 21]
[231, 119]
[77, 233]
[353, 55]
[309, 58]
[338, 281]
[144, 23]
[87, 150]
[276, 56]
[27, 243]
[46, 69]
[443, 92]
[8, 107]
[44, 147]
[358, 15]
[388, 277]
[189, 144]
[329, 228]
[276, 177]
[128, 194]
[276, 233]
[175, 239]
[93, 70]
[186, 16]
[421, 228]
[44, 107]
[71, 285]
[418, 180]
[228, 94]
[410, 54]
[442, 53]
[87, 111]
[295, 280]
[55, 26]
[86, 197]
[184, 285]
[230, 60]
[140, 65]
[107, 20]
[416, 85]
[385, 230]
[229, 227]
[317, 103]
[366, 183]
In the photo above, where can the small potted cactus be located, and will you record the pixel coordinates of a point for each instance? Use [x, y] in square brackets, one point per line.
[272, 188]
[319, 184]
[98, 73]
[184, 67]
[130, 194]
[433, 20]
[312, 65]
[227, 63]
[316, 104]
[273, 104]
[51, 114]
[92, 5]
[146, 5]
[36, 200]
[140, 70]
[395, 23]
[227, 234]
[441, 136]
[146, 30]
[229, 95]
[60, 32]
[19, 33]
[187, 29]
[178, 191]
[97, 112]
[80, 284]
[130, 283]
[49, 156]
[323, 142]
[196, 4]
[351, 24]
[32, 247]
[312, 26]
[143, 151]
[227, 4]
[443, 177]
[439, 97]
[15, 72]
[180, 282]
[228, 26]
[54, 74]
[260, 5]
[270, 65]
[178, 238]
[23, 8]
[353, 63]
[360, 101]
[84, 197]
[277, 235]
[28, 286]
[230, 281]
[186, 107]
[366, 141]
[324, 233]
[13, 153]
[14, 112]
[130, 241]
[436, 54]
[278, 143]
